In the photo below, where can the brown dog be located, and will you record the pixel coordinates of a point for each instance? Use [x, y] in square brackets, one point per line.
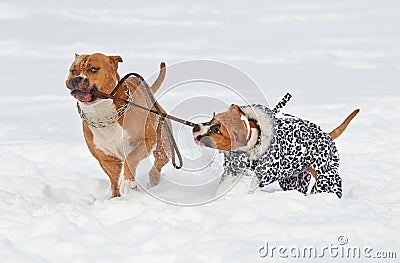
[119, 137]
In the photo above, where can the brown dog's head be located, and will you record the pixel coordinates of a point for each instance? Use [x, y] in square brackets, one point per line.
[226, 131]
[89, 72]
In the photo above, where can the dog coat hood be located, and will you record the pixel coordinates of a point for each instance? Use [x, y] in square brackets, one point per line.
[265, 119]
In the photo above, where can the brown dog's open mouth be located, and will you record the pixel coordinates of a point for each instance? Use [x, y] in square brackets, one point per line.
[83, 96]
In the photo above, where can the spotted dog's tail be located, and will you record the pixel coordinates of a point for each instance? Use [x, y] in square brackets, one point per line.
[340, 129]
[336, 133]
[161, 76]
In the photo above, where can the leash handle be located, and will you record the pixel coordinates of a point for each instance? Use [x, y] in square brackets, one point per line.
[173, 144]
[172, 141]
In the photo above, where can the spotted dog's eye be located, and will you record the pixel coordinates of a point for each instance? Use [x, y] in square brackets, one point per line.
[94, 70]
[73, 72]
[217, 130]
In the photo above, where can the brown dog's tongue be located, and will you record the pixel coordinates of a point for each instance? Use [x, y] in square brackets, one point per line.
[83, 96]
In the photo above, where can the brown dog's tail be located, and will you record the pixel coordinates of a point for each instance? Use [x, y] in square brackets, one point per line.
[340, 129]
[161, 76]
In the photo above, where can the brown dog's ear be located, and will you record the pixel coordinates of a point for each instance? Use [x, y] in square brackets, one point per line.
[114, 60]
[76, 55]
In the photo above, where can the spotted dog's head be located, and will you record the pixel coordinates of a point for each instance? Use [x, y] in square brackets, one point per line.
[226, 131]
[89, 72]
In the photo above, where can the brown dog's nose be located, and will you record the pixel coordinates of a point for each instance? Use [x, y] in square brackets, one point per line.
[196, 128]
[75, 81]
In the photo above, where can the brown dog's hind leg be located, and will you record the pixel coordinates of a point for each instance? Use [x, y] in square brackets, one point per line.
[161, 159]
[159, 153]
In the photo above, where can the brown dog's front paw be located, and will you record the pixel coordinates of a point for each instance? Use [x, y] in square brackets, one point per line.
[127, 186]
[115, 193]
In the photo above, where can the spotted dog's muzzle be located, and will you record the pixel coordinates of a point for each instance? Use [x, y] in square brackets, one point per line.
[201, 135]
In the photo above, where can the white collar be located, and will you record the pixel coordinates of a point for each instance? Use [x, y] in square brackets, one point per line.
[246, 121]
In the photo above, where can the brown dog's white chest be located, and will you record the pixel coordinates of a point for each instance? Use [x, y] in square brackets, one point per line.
[113, 140]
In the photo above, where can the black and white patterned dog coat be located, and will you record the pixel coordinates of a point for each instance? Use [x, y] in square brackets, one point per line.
[285, 149]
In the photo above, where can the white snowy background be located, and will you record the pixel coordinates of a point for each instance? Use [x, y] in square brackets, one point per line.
[333, 56]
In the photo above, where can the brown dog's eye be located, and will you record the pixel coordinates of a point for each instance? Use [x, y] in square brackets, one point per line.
[94, 70]
[73, 72]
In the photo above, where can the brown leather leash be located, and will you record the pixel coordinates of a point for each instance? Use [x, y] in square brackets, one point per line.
[157, 111]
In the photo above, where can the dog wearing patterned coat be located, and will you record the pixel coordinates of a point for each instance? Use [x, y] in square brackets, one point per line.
[289, 150]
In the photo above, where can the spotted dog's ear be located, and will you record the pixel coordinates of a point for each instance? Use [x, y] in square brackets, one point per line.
[76, 55]
[235, 108]
[238, 138]
[114, 60]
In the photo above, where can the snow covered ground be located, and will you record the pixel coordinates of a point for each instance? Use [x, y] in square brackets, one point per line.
[333, 56]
